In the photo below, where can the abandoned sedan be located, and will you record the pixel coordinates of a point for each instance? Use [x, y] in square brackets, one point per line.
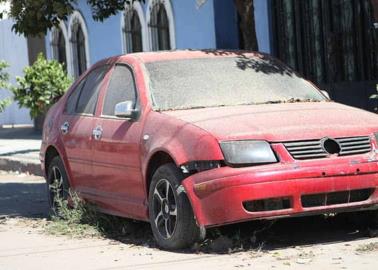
[194, 139]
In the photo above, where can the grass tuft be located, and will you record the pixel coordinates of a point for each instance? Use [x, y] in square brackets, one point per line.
[77, 218]
[370, 247]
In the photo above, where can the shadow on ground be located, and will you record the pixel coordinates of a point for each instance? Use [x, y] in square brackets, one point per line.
[301, 231]
[20, 133]
[29, 200]
[23, 200]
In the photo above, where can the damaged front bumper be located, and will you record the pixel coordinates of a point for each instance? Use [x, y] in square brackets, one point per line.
[229, 195]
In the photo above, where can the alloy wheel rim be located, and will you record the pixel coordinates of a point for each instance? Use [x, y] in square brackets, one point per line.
[164, 209]
[56, 187]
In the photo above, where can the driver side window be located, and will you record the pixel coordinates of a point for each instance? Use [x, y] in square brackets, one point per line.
[121, 88]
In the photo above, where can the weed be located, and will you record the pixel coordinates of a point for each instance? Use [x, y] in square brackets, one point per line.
[370, 247]
[77, 218]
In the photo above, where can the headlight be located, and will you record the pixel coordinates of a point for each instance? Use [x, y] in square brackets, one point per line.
[247, 152]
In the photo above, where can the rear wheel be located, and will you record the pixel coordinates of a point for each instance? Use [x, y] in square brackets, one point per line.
[171, 215]
[57, 185]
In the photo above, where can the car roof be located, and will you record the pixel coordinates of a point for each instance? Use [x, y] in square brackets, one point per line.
[147, 57]
[188, 54]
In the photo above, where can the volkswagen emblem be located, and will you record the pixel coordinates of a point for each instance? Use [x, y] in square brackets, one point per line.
[331, 146]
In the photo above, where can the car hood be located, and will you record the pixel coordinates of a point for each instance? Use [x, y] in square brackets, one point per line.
[281, 122]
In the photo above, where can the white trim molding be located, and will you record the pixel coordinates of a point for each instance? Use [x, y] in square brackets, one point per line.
[171, 19]
[137, 7]
[77, 19]
[54, 43]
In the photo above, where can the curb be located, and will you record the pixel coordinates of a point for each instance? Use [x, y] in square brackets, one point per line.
[21, 165]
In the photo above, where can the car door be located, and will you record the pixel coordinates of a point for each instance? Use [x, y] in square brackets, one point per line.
[116, 158]
[76, 125]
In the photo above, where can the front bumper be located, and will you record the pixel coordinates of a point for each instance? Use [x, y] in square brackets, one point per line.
[217, 196]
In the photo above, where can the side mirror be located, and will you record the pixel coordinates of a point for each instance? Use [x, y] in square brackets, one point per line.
[124, 109]
[324, 92]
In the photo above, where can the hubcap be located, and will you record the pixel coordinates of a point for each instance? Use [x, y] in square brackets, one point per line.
[164, 209]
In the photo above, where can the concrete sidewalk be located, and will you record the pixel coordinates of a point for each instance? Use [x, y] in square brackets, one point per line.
[19, 150]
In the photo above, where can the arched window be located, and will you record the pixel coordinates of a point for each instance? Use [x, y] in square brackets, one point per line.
[59, 44]
[133, 32]
[80, 51]
[133, 29]
[161, 25]
[62, 57]
[79, 44]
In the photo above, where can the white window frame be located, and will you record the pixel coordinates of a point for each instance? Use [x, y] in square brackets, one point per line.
[171, 19]
[137, 7]
[77, 19]
[54, 44]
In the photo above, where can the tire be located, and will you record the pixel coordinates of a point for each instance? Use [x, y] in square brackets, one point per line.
[362, 219]
[373, 219]
[171, 216]
[57, 184]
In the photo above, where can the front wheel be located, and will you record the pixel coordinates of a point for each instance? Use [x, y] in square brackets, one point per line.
[171, 215]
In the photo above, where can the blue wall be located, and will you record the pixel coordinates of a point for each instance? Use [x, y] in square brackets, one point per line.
[195, 27]
[14, 50]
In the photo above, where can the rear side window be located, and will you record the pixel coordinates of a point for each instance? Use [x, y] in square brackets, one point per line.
[89, 93]
[121, 88]
[72, 99]
[83, 98]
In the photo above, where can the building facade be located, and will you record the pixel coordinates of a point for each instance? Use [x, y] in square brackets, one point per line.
[151, 25]
[333, 43]
[148, 25]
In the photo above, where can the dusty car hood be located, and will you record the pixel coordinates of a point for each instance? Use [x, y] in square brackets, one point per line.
[281, 122]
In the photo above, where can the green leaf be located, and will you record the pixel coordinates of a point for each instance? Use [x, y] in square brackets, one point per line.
[42, 84]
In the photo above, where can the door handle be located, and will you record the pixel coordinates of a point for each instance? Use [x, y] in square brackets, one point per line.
[64, 128]
[97, 133]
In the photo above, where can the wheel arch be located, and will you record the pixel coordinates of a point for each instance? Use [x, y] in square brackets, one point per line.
[158, 159]
[51, 153]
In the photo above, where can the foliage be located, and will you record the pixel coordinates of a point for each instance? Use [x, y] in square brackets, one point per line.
[35, 17]
[4, 77]
[42, 85]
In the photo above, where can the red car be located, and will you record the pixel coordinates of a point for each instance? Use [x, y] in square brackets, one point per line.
[194, 139]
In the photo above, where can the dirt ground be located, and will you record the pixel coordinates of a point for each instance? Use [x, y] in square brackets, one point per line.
[301, 243]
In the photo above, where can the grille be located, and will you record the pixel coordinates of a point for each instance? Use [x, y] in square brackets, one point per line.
[311, 149]
[333, 198]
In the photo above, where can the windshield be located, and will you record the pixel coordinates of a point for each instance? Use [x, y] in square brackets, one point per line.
[225, 81]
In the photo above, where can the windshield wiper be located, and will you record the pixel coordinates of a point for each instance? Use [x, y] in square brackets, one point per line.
[291, 100]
